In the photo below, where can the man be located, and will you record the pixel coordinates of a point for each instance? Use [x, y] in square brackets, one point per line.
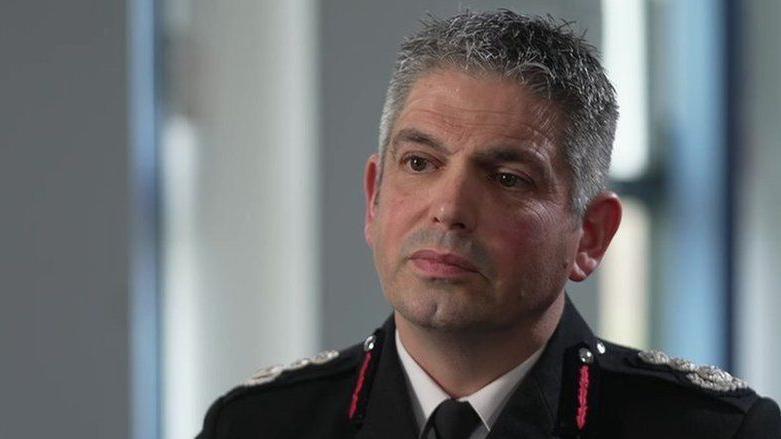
[488, 193]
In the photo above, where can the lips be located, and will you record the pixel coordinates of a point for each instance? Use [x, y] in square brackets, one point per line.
[448, 261]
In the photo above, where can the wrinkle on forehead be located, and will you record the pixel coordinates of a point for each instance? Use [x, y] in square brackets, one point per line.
[461, 110]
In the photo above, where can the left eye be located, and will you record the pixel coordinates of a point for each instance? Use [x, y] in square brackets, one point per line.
[509, 180]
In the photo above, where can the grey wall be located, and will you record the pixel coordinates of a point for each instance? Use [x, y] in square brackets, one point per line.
[358, 42]
[239, 157]
[64, 347]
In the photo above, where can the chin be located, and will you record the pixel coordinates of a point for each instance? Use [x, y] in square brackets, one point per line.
[444, 314]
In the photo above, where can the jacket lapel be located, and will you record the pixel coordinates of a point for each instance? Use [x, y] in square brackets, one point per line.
[532, 409]
[389, 412]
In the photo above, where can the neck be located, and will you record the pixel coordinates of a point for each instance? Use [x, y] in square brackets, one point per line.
[463, 362]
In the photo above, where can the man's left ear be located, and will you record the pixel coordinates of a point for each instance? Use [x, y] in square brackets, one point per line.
[599, 224]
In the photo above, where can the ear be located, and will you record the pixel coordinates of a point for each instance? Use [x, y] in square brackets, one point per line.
[600, 223]
[371, 190]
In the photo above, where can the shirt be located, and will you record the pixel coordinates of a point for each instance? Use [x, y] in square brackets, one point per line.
[488, 402]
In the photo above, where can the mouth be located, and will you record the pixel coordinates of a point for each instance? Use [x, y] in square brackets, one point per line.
[442, 265]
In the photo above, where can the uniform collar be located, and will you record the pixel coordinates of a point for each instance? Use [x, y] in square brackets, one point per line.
[530, 412]
[426, 394]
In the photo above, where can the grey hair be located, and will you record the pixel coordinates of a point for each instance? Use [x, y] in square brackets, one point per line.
[539, 53]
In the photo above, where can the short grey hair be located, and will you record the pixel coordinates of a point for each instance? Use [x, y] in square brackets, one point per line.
[542, 54]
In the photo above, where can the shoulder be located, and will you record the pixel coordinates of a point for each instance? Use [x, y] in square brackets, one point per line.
[277, 397]
[678, 394]
[684, 376]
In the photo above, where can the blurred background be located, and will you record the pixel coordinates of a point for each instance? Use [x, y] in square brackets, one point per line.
[181, 196]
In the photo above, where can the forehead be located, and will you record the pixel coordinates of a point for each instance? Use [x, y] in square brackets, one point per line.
[464, 105]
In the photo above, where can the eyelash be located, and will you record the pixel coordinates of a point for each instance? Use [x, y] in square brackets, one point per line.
[518, 179]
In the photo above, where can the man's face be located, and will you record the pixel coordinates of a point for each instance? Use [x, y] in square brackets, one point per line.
[471, 227]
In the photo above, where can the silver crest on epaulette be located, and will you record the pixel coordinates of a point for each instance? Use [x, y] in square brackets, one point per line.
[706, 377]
[265, 375]
[324, 357]
[269, 374]
[298, 364]
[682, 365]
[713, 378]
[654, 357]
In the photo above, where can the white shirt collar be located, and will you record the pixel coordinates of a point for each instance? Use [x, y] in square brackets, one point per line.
[488, 402]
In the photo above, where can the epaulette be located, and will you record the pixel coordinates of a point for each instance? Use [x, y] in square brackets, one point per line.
[324, 365]
[704, 379]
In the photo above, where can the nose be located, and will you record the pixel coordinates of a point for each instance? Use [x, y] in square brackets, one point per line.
[455, 203]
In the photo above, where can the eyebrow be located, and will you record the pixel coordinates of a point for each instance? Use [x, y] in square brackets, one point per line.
[414, 135]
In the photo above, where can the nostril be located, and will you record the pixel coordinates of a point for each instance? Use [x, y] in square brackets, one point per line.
[449, 223]
[455, 212]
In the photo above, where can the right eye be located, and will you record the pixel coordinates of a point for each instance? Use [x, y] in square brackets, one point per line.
[416, 163]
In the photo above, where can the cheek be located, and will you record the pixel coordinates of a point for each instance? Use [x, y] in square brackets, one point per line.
[516, 233]
[397, 214]
[529, 238]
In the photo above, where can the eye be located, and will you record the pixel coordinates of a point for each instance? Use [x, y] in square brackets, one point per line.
[510, 180]
[417, 163]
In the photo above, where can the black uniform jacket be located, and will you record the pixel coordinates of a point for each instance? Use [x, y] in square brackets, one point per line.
[581, 387]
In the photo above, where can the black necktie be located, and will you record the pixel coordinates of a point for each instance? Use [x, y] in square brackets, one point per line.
[454, 420]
